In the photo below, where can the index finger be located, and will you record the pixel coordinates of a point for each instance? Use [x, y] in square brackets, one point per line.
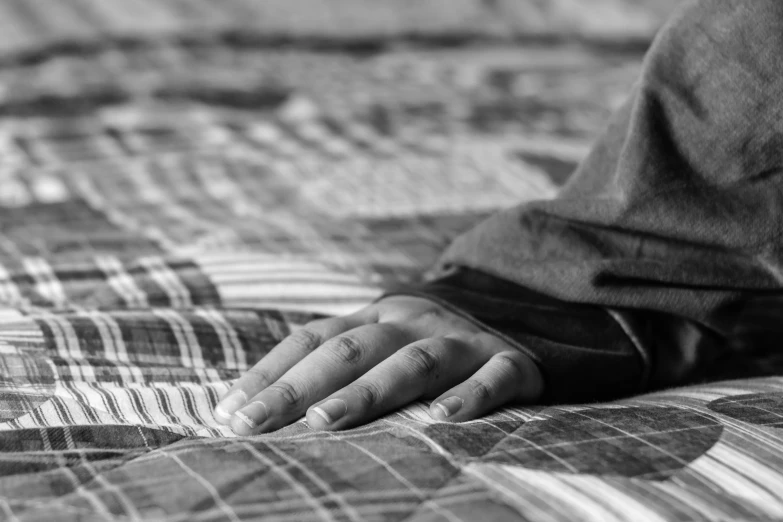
[284, 356]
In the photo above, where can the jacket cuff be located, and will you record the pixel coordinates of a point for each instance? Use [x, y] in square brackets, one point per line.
[585, 353]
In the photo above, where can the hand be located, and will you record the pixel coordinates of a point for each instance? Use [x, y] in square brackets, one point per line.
[347, 371]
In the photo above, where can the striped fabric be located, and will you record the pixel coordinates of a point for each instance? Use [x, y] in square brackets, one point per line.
[185, 182]
[29, 26]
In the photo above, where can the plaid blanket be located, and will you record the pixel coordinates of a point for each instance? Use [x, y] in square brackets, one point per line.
[183, 183]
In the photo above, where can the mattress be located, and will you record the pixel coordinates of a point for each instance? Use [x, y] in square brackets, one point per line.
[183, 183]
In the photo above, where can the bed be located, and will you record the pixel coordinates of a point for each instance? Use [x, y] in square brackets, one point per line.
[185, 182]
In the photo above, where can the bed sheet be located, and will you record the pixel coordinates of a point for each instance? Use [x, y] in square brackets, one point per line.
[183, 183]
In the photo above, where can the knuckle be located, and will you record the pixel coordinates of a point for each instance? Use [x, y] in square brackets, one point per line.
[422, 362]
[291, 396]
[432, 313]
[480, 390]
[482, 338]
[305, 340]
[346, 350]
[518, 371]
[258, 376]
[315, 323]
[510, 365]
[368, 393]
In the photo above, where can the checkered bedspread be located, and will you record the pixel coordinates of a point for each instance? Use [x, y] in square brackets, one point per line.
[183, 183]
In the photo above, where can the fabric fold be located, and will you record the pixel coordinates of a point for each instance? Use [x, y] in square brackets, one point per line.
[675, 217]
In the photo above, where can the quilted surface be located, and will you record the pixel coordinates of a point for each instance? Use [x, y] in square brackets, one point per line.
[182, 185]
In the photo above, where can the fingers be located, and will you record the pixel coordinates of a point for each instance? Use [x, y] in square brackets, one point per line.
[367, 365]
[423, 368]
[508, 377]
[283, 357]
[336, 363]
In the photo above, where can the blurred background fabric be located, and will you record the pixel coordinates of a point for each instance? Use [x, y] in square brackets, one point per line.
[185, 182]
[32, 24]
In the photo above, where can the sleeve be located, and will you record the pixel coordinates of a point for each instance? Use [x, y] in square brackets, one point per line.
[586, 353]
[638, 274]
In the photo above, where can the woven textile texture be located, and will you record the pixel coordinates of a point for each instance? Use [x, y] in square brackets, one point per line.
[183, 183]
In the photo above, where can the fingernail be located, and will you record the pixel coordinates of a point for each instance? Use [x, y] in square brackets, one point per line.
[254, 414]
[332, 410]
[450, 406]
[231, 403]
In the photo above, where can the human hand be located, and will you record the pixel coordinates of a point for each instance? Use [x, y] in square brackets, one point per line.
[347, 371]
